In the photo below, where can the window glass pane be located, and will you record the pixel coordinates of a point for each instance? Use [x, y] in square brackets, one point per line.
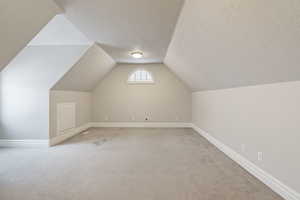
[147, 77]
[144, 75]
[140, 76]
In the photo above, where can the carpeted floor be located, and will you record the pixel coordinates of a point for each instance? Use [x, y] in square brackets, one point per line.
[127, 164]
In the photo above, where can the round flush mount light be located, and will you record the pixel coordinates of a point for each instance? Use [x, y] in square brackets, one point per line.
[137, 54]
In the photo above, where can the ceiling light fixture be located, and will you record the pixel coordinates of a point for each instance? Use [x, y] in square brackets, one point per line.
[137, 54]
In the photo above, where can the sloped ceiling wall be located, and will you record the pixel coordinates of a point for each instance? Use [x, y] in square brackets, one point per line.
[60, 31]
[27, 79]
[121, 26]
[230, 43]
[20, 21]
[87, 72]
[24, 89]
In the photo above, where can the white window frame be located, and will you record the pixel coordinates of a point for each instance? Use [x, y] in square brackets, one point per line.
[140, 81]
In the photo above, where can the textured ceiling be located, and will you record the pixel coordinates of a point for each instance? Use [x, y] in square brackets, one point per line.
[231, 43]
[121, 26]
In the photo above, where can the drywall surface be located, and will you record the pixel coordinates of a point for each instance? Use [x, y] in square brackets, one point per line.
[60, 31]
[263, 118]
[25, 85]
[20, 21]
[168, 100]
[232, 43]
[123, 26]
[88, 71]
[83, 107]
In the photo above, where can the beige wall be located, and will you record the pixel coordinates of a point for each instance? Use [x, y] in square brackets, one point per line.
[264, 118]
[83, 107]
[168, 100]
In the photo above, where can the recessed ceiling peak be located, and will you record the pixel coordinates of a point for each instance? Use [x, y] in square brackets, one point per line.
[122, 25]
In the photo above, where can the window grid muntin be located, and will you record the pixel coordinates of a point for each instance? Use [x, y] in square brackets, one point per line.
[141, 76]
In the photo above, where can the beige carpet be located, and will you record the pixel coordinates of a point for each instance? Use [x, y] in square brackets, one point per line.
[127, 164]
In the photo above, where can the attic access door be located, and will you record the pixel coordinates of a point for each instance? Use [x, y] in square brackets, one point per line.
[66, 117]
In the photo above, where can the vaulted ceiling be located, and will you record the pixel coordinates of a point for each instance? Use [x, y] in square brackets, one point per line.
[87, 72]
[209, 44]
[121, 26]
[60, 31]
[231, 43]
[20, 21]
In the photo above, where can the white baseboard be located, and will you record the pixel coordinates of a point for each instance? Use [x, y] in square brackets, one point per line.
[72, 132]
[141, 124]
[24, 143]
[276, 185]
[68, 134]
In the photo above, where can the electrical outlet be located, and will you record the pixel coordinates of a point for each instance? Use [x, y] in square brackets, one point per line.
[132, 118]
[243, 148]
[259, 156]
[106, 118]
[147, 117]
[177, 118]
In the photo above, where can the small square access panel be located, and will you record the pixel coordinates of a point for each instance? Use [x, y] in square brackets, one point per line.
[66, 117]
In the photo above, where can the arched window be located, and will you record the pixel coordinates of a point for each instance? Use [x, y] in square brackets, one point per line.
[140, 76]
